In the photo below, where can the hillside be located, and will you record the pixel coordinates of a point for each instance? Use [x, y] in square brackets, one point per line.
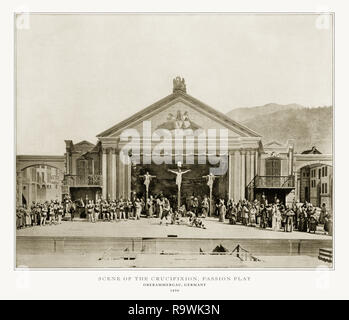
[308, 126]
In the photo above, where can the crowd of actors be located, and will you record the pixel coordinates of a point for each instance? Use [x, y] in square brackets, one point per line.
[52, 212]
[133, 208]
[39, 214]
[276, 216]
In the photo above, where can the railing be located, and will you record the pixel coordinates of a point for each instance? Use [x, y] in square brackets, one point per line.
[273, 182]
[88, 180]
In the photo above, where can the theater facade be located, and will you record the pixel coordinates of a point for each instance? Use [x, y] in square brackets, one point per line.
[252, 168]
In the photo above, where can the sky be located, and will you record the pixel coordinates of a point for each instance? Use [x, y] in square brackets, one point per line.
[78, 75]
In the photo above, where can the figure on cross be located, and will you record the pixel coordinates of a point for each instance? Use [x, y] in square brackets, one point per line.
[179, 175]
[210, 180]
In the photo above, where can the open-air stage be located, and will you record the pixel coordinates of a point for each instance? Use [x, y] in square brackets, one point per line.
[147, 244]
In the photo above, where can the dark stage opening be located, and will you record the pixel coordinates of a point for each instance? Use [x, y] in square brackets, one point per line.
[272, 194]
[85, 194]
[193, 183]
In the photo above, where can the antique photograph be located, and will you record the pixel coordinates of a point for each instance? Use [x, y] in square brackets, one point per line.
[174, 140]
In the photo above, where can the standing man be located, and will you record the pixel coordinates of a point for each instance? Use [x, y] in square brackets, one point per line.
[166, 210]
[205, 207]
[33, 213]
[138, 207]
[44, 210]
[222, 210]
[59, 212]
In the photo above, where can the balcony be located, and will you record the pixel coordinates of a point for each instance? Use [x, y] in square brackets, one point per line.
[270, 182]
[91, 180]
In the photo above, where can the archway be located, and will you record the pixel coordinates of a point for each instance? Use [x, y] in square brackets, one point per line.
[39, 178]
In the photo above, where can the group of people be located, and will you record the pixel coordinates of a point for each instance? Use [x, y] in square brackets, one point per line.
[275, 216]
[303, 217]
[128, 209]
[113, 210]
[39, 214]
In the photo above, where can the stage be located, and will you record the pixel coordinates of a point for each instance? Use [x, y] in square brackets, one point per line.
[147, 244]
[151, 228]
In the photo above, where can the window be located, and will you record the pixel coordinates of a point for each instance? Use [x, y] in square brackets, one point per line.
[273, 167]
[325, 187]
[325, 171]
[319, 173]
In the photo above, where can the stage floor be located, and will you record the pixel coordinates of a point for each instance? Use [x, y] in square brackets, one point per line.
[157, 261]
[151, 228]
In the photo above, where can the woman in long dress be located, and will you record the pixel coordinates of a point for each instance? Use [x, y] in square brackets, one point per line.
[150, 207]
[27, 216]
[275, 217]
[222, 211]
[253, 212]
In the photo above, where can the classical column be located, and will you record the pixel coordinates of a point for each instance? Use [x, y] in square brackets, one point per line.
[104, 173]
[256, 159]
[243, 175]
[231, 175]
[253, 169]
[248, 167]
[109, 173]
[113, 174]
[121, 175]
[237, 165]
[128, 180]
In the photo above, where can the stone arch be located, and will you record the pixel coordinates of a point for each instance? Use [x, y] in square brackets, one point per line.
[27, 161]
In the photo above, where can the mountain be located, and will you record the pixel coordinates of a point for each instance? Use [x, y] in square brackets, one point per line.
[307, 126]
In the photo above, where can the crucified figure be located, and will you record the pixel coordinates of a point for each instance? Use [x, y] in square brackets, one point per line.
[179, 174]
[147, 178]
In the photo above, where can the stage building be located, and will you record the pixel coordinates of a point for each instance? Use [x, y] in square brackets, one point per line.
[253, 168]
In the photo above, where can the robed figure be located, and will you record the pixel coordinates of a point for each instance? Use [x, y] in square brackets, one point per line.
[210, 180]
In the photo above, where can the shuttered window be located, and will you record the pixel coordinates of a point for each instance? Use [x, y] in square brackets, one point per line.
[273, 167]
[85, 167]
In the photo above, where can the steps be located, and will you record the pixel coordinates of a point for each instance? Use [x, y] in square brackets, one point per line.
[326, 254]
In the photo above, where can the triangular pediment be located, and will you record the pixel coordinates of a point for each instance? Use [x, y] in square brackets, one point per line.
[273, 144]
[183, 111]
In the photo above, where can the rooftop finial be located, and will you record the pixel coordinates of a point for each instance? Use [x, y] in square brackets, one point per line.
[179, 85]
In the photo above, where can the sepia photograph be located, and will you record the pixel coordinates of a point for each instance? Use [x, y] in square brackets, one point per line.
[174, 140]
